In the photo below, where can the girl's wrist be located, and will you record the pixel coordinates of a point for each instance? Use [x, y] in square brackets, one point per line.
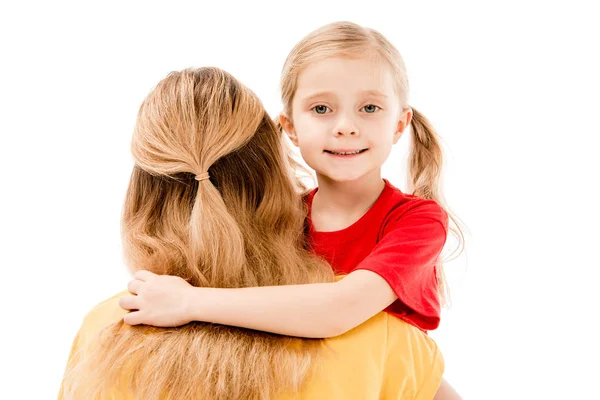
[195, 303]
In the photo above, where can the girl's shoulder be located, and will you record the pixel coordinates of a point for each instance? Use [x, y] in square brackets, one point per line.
[399, 205]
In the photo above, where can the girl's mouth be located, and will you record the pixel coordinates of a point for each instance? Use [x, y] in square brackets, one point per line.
[344, 152]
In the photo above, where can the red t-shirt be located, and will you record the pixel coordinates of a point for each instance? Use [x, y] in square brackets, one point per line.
[400, 238]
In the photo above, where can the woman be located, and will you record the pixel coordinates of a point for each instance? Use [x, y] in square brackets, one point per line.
[211, 201]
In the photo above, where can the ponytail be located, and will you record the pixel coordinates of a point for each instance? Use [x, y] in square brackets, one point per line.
[215, 239]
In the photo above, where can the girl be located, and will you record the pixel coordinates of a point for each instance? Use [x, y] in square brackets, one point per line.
[344, 90]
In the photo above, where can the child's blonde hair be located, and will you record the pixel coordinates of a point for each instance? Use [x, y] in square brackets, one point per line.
[349, 40]
[241, 227]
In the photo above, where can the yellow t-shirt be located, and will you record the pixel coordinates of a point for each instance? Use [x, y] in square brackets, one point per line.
[384, 358]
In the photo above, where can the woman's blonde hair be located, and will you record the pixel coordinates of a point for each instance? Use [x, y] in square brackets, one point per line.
[349, 40]
[241, 227]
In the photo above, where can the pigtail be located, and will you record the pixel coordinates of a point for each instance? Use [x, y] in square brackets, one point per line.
[425, 160]
[425, 176]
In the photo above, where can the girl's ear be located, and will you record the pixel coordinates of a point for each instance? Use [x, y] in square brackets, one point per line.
[288, 127]
[405, 119]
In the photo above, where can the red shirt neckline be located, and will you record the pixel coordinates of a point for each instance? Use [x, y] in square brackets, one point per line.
[355, 230]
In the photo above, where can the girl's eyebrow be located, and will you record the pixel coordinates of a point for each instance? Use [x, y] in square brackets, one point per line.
[317, 95]
[321, 94]
[375, 93]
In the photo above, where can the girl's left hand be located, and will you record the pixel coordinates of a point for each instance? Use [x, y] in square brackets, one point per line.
[158, 300]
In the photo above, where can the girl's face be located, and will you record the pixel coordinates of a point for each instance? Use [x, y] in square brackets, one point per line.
[346, 117]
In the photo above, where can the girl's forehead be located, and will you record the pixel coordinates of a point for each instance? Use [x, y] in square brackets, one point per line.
[337, 74]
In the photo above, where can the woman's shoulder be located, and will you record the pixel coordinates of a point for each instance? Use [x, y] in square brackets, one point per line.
[384, 334]
[425, 366]
[383, 356]
[393, 333]
[103, 314]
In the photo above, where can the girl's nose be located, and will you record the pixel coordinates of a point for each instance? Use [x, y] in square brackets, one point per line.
[346, 127]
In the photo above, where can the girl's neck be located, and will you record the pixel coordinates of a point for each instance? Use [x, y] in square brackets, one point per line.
[337, 205]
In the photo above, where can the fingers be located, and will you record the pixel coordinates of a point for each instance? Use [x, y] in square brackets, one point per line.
[134, 286]
[129, 303]
[143, 275]
[133, 318]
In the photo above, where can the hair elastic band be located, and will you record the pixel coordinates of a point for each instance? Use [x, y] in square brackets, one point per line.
[201, 177]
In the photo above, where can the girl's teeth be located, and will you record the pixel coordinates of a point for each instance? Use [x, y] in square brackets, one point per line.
[346, 153]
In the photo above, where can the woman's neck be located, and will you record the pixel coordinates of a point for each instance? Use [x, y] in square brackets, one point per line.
[337, 205]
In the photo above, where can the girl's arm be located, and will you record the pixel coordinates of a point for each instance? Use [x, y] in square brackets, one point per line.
[410, 246]
[313, 310]
[317, 310]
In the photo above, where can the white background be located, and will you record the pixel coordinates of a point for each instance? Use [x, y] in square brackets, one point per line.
[512, 89]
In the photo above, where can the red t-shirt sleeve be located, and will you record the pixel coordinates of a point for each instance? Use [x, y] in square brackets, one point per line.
[406, 256]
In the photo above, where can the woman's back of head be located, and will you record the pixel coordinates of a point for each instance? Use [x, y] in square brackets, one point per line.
[198, 121]
[243, 226]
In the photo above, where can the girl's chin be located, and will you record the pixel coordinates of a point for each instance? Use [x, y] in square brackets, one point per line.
[342, 177]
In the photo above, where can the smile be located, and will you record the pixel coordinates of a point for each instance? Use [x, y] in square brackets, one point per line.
[345, 152]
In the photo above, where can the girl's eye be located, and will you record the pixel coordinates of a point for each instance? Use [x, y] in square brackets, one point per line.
[320, 109]
[371, 108]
